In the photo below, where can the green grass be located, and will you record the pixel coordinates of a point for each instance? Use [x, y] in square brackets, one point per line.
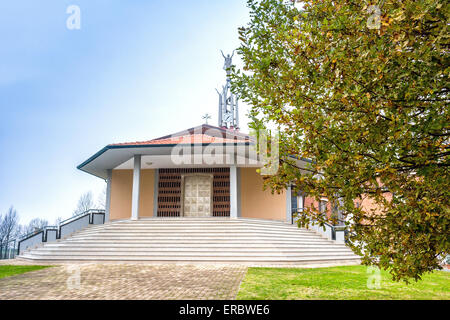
[7, 271]
[337, 283]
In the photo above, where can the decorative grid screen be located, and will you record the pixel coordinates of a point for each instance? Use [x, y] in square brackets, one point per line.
[169, 190]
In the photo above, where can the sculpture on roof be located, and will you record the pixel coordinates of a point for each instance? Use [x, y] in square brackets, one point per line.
[228, 62]
[228, 103]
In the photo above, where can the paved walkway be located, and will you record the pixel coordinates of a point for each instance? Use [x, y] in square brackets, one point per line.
[125, 281]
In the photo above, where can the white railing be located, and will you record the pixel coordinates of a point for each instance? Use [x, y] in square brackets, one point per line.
[336, 233]
[63, 230]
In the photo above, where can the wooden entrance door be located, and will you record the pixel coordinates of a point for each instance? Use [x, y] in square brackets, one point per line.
[197, 196]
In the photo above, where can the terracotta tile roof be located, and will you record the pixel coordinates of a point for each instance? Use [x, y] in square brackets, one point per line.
[197, 135]
[188, 139]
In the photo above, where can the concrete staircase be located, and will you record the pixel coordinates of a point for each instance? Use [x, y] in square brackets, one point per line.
[191, 240]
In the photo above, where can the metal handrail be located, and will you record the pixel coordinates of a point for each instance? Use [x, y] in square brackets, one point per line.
[81, 214]
[325, 223]
[334, 229]
[89, 213]
[36, 231]
[44, 229]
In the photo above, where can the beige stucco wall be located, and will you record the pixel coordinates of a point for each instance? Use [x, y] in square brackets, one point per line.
[121, 190]
[257, 203]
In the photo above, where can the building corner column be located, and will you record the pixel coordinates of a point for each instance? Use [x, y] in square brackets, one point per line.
[136, 188]
[289, 205]
[108, 195]
[234, 192]
[155, 193]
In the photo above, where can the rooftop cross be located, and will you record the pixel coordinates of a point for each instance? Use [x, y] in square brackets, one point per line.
[206, 117]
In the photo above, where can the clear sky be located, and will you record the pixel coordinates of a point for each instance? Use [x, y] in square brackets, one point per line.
[136, 70]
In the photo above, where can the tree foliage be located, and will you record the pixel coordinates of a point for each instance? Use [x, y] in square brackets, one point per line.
[369, 106]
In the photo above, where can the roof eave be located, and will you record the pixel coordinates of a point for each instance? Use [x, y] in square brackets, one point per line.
[112, 147]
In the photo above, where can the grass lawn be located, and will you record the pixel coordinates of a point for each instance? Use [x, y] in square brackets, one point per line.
[7, 271]
[349, 282]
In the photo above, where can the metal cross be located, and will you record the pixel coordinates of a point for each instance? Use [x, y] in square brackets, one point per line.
[206, 117]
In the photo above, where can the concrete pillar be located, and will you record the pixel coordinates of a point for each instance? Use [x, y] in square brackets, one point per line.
[289, 205]
[136, 188]
[156, 193]
[239, 193]
[108, 194]
[233, 192]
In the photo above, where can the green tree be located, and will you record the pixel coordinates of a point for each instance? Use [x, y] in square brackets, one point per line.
[363, 92]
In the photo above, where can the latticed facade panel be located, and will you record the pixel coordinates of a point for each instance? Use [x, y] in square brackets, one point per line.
[170, 190]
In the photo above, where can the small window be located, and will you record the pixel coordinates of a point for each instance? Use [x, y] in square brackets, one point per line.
[300, 202]
[294, 201]
[297, 201]
[323, 206]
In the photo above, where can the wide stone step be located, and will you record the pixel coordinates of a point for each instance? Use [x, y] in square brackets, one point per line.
[181, 254]
[198, 238]
[199, 222]
[210, 259]
[225, 231]
[323, 243]
[176, 245]
[267, 250]
[196, 234]
[189, 221]
[197, 229]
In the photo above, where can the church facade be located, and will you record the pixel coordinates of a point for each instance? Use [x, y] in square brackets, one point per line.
[204, 171]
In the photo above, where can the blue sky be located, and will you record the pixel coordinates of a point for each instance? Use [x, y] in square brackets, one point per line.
[135, 70]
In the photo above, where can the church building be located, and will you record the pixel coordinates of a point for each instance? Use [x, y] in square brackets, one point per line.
[203, 171]
[194, 196]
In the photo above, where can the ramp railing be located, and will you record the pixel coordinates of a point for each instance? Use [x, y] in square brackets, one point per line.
[336, 233]
[63, 230]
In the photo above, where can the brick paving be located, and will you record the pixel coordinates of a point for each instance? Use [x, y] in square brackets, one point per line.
[125, 282]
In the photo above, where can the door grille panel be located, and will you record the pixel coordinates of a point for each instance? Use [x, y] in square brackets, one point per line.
[169, 190]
